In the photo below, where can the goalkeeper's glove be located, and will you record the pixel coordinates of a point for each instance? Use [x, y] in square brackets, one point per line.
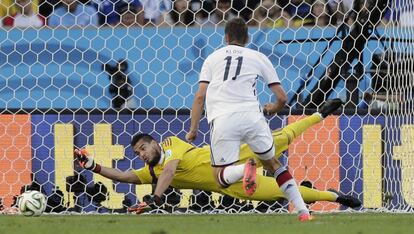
[149, 202]
[152, 200]
[86, 161]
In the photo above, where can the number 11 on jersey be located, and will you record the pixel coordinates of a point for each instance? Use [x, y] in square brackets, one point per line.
[239, 64]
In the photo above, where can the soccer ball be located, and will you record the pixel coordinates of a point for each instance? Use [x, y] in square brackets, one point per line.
[32, 203]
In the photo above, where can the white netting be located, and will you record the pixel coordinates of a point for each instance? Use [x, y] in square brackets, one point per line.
[95, 73]
[398, 102]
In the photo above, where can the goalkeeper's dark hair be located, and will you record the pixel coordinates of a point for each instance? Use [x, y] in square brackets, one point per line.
[237, 31]
[146, 137]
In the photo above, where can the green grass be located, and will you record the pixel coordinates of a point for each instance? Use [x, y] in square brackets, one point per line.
[215, 224]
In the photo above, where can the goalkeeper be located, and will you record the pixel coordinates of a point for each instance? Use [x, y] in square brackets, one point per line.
[181, 165]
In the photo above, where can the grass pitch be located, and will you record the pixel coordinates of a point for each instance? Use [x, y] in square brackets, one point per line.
[215, 224]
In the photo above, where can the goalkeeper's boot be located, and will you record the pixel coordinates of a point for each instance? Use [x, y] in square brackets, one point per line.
[330, 106]
[346, 200]
[249, 178]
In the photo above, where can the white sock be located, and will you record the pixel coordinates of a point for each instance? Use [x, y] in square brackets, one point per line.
[289, 188]
[234, 173]
[291, 191]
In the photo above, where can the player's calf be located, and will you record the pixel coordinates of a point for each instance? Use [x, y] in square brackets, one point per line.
[225, 176]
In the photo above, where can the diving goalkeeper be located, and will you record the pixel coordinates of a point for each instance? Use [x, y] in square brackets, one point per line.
[181, 165]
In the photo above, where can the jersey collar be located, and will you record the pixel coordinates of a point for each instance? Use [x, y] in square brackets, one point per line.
[235, 44]
[162, 156]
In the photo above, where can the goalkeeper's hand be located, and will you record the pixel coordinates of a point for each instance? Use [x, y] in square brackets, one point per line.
[149, 202]
[86, 161]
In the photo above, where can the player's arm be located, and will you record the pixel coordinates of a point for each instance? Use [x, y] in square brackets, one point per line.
[166, 177]
[120, 176]
[197, 111]
[87, 162]
[281, 98]
[152, 201]
[199, 98]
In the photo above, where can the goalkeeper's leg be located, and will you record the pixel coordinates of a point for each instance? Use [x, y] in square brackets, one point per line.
[268, 190]
[283, 137]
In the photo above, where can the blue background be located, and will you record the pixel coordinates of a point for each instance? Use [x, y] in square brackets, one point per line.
[60, 68]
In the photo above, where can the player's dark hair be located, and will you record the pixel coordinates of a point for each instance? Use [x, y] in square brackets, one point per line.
[146, 137]
[237, 31]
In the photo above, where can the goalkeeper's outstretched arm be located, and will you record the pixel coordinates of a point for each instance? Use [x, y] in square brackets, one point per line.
[87, 162]
[166, 177]
[120, 176]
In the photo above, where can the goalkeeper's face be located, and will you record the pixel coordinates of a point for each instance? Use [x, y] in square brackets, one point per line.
[149, 152]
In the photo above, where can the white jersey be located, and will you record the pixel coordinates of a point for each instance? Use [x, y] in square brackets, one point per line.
[232, 73]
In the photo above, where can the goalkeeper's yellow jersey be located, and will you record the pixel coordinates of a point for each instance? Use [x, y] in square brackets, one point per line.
[193, 171]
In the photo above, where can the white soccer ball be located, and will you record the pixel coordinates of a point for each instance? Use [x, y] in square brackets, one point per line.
[32, 203]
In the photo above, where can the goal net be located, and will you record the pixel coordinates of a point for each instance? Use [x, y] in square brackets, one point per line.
[92, 74]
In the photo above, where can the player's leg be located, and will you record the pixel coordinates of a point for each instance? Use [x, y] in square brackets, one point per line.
[225, 149]
[224, 154]
[268, 190]
[283, 137]
[345, 200]
[288, 186]
[260, 138]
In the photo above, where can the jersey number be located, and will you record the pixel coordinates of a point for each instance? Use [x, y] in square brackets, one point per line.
[239, 64]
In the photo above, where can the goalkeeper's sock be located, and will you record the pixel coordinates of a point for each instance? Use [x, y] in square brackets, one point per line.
[289, 188]
[232, 174]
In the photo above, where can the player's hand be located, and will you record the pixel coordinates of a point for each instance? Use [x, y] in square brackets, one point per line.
[270, 109]
[86, 161]
[191, 135]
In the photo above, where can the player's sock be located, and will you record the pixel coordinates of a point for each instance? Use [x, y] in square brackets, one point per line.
[232, 174]
[310, 195]
[289, 188]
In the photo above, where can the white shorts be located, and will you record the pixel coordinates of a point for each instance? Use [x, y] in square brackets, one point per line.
[229, 131]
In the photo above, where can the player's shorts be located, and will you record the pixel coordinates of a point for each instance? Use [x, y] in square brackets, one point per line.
[228, 132]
